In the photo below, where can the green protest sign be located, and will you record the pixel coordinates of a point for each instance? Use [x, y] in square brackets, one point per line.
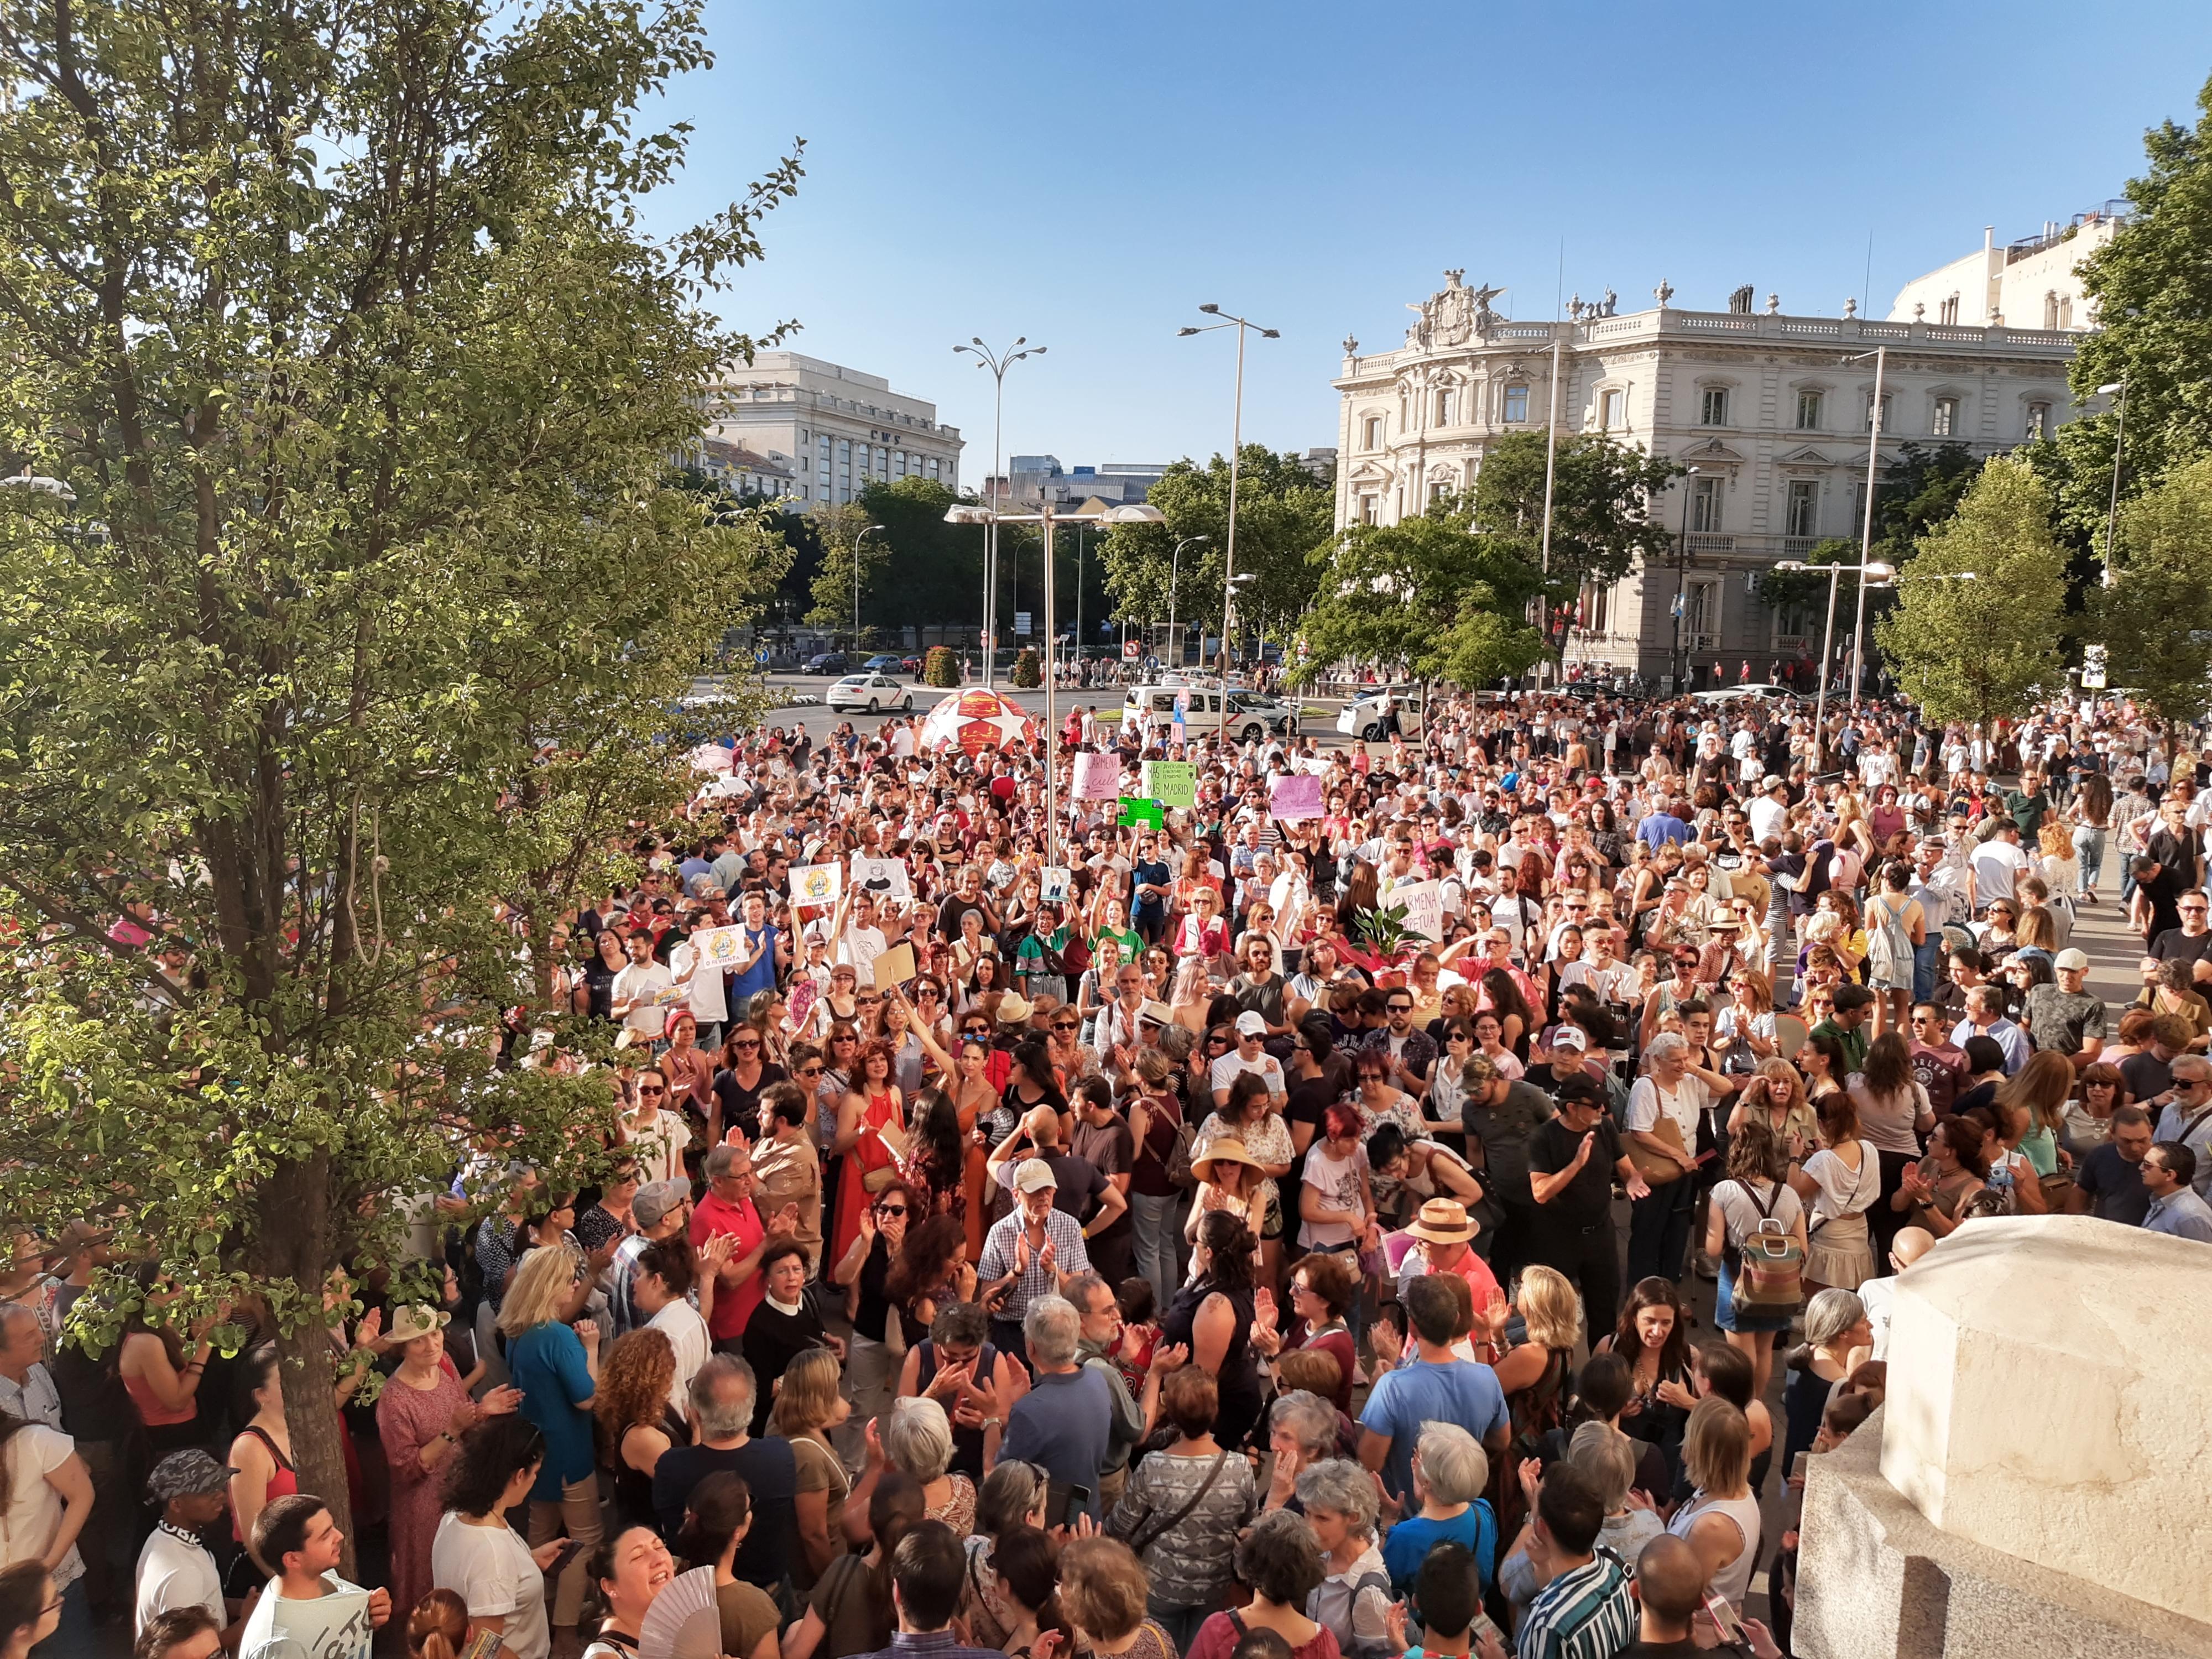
[1171, 783]
[1147, 813]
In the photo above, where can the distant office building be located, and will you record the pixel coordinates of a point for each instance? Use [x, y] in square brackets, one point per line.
[833, 430]
[1321, 462]
[1030, 479]
[2034, 282]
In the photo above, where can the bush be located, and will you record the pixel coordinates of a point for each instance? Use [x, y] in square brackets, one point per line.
[1028, 673]
[941, 668]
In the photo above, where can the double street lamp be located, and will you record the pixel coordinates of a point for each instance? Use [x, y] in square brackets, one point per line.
[873, 528]
[1872, 573]
[1045, 519]
[2120, 439]
[1174, 574]
[998, 363]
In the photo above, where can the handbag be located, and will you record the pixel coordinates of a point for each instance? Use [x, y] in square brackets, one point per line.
[1656, 1169]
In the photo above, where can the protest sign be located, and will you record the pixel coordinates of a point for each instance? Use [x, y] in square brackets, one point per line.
[816, 883]
[333, 1626]
[1171, 783]
[884, 878]
[1425, 907]
[1098, 777]
[720, 947]
[1293, 797]
[1134, 812]
[894, 966]
[1053, 883]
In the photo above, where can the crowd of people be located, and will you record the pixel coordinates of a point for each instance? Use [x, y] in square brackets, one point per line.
[1088, 1237]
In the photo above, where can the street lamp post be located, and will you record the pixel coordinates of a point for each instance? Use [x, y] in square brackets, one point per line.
[857, 540]
[1676, 667]
[998, 363]
[2119, 439]
[1869, 571]
[962, 513]
[1880, 355]
[1175, 573]
[1235, 443]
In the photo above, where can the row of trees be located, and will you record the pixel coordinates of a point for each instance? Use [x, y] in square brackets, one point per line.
[2034, 528]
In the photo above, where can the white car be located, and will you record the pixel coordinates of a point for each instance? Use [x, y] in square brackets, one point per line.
[872, 693]
[1753, 692]
[1362, 717]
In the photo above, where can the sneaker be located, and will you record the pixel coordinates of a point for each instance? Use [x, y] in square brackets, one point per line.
[1706, 1267]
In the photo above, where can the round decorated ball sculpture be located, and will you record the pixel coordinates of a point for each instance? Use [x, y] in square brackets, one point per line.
[975, 721]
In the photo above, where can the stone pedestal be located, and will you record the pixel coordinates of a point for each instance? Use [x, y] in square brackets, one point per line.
[2040, 1479]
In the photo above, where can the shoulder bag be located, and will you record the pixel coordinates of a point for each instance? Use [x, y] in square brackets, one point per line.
[1657, 1169]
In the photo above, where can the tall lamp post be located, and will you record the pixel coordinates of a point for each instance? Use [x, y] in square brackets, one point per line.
[1880, 355]
[1235, 443]
[2119, 440]
[857, 540]
[1175, 573]
[1875, 572]
[998, 363]
[1676, 668]
[1138, 513]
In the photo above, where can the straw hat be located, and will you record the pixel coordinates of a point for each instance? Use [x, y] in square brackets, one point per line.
[416, 1319]
[1013, 1009]
[1443, 1221]
[1227, 1149]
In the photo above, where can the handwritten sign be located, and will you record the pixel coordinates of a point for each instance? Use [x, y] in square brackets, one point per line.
[1133, 812]
[816, 883]
[1294, 796]
[885, 878]
[333, 1626]
[1098, 777]
[1425, 907]
[1053, 883]
[1171, 783]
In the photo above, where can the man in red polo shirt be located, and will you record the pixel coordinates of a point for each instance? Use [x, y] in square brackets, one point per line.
[728, 1208]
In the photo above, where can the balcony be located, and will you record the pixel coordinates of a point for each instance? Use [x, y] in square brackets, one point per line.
[1799, 547]
[1699, 543]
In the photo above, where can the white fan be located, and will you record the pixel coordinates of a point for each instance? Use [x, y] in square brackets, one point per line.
[684, 1621]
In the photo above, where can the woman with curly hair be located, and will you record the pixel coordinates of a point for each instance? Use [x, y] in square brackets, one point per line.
[872, 1104]
[934, 1160]
[636, 1419]
[932, 1268]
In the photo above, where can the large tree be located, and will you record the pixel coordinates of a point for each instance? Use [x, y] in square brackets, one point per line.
[1283, 513]
[2152, 286]
[1601, 496]
[2156, 618]
[1428, 597]
[1983, 649]
[340, 654]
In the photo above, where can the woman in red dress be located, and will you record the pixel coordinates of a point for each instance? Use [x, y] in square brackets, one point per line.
[873, 1105]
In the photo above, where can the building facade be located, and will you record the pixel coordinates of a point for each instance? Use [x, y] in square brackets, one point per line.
[741, 470]
[1030, 479]
[834, 430]
[2035, 282]
[1772, 411]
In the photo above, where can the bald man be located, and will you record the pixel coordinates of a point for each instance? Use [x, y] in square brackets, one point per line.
[1670, 1584]
[1880, 1294]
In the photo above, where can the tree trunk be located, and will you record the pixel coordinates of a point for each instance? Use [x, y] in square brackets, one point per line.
[293, 1244]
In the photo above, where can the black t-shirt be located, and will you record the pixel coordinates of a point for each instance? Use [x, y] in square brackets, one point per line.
[2174, 945]
[770, 1471]
[1079, 1184]
[949, 915]
[1588, 1198]
[1109, 1151]
[741, 1105]
[2146, 1075]
[2115, 1187]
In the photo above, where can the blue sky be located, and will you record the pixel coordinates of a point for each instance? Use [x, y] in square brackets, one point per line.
[1086, 177]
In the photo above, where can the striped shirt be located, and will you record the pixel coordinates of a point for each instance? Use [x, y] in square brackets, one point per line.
[1584, 1613]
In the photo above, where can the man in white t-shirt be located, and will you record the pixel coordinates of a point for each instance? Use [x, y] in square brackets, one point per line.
[1998, 863]
[175, 1568]
[1248, 1056]
[861, 941]
[297, 1532]
[637, 994]
[1769, 812]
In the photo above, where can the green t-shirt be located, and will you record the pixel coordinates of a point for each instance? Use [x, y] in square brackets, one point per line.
[1130, 941]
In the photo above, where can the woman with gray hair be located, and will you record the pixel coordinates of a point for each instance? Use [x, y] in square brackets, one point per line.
[1837, 1336]
[1302, 1430]
[1606, 1458]
[1352, 1601]
[916, 1438]
[1665, 1111]
[1450, 1470]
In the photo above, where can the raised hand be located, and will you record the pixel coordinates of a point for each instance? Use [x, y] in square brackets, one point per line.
[499, 1401]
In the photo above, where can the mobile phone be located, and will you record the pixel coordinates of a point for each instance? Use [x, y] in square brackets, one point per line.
[1724, 1617]
[1064, 1501]
[1797, 1465]
[569, 1552]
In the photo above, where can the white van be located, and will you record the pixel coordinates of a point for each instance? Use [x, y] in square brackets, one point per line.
[1204, 710]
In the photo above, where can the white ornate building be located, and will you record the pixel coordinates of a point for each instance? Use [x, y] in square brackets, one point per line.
[1765, 407]
[833, 430]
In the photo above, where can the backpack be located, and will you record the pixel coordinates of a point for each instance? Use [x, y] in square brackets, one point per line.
[1180, 1174]
[1889, 947]
[1770, 1262]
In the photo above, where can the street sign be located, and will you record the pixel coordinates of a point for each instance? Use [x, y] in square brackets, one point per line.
[1022, 623]
[2093, 668]
[1132, 651]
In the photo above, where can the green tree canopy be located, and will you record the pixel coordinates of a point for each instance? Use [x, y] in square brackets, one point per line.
[2152, 288]
[1444, 602]
[2156, 619]
[1283, 513]
[847, 537]
[1982, 649]
[1601, 496]
[349, 661]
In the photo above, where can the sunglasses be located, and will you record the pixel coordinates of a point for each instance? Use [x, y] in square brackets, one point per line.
[890, 1209]
[651, 1089]
[814, 1070]
[1401, 1007]
[1059, 1026]
[754, 1044]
